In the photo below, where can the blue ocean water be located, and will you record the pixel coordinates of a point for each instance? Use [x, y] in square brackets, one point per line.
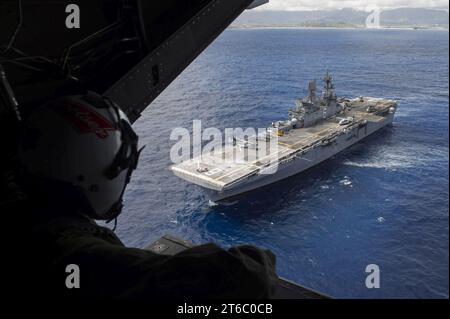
[394, 213]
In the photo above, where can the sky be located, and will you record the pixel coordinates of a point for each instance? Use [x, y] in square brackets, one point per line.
[300, 5]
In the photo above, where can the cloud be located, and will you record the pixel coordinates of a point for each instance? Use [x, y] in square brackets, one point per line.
[301, 5]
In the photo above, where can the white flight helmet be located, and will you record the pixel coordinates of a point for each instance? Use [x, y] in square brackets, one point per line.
[83, 149]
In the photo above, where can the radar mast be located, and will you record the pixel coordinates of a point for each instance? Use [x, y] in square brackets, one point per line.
[328, 93]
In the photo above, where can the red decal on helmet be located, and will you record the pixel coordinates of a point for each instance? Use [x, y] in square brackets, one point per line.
[85, 120]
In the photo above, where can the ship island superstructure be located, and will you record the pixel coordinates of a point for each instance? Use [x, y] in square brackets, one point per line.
[316, 129]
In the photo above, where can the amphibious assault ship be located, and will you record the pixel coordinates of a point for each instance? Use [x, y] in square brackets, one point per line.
[318, 128]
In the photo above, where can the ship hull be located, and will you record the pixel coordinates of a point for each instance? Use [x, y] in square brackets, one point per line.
[298, 165]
